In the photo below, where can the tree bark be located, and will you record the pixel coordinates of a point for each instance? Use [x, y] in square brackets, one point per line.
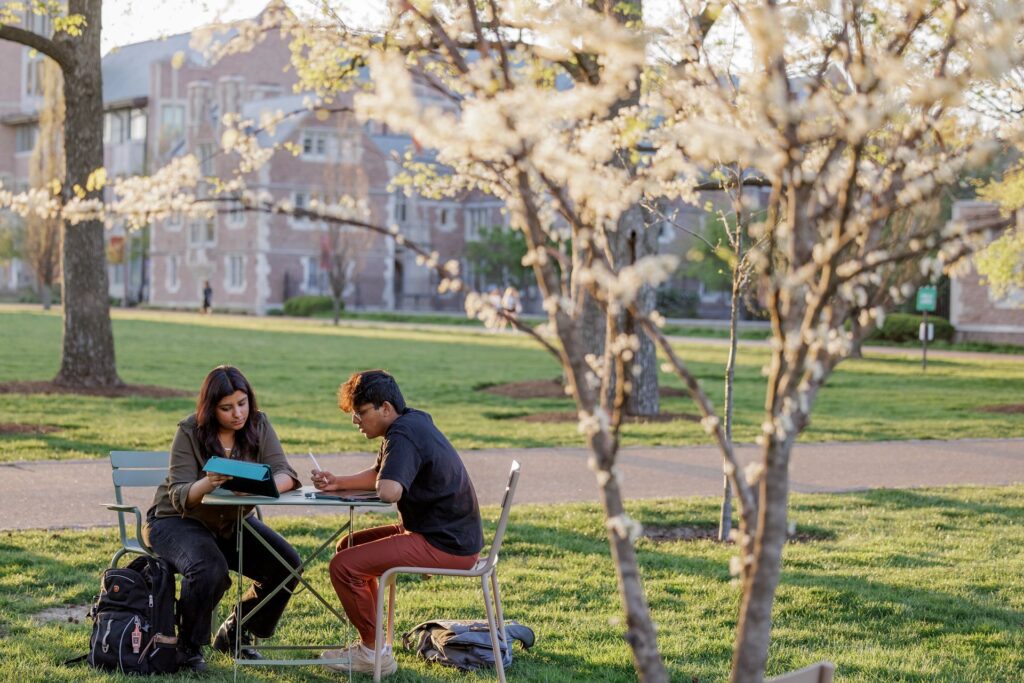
[753, 633]
[644, 399]
[640, 631]
[88, 344]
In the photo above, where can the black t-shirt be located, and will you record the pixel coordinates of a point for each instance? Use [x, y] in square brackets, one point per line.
[438, 499]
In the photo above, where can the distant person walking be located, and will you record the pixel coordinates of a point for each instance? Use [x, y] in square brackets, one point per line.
[207, 298]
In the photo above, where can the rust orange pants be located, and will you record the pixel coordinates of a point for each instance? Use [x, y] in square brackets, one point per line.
[363, 556]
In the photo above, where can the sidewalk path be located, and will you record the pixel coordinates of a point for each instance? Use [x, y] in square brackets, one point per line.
[68, 494]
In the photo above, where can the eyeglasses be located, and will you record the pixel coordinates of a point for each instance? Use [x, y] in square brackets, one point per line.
[361, 412]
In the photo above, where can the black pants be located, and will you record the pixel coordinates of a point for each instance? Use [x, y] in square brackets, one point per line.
[203, 560]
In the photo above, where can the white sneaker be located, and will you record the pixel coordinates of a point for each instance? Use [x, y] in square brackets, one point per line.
[360, 660]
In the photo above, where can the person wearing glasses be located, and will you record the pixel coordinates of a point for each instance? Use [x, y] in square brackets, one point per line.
[439, 517]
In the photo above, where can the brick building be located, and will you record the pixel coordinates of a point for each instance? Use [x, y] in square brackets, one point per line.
[254, 262]
[974, 313]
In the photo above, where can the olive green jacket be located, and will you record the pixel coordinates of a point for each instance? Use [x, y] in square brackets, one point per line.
[186, 468]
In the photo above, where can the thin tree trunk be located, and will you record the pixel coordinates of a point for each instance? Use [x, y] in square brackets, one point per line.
[46, 295]
[336, 302]
[88, 353]
[640, 632]
[753, 633]
[725, 516]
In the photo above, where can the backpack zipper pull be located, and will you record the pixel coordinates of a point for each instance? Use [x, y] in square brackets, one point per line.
[136, 637]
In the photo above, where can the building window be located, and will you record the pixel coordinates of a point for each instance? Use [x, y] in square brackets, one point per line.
[475, 220]
[202, 232]
[207, 151]
[172, 280]
[302, 199]
[173, 222]
[236, 272]
[236, 216]
[116, 274]
[401, 208]
[313, 275]
[116, 127]
[41, 24]
[25, 138]
[316, 144]
[137, 129]
[34, 76]
[172, 129]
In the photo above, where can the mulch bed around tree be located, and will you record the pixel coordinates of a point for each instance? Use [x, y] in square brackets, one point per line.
[1005, 408]
[15, 428]
[665, 534]
[552, 388]
[125, 390]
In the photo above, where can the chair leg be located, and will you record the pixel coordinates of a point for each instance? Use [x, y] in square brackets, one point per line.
[498, 610]
[391, 611]
[378, 638]
[499, 665]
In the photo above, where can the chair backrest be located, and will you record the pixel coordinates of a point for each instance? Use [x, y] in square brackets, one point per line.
[131, 469]
[815, 673]
[506, 507]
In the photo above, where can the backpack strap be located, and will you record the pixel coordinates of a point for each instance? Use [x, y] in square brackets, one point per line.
[76, 660]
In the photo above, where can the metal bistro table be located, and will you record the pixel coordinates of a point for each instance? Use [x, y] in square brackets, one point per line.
[298, 497]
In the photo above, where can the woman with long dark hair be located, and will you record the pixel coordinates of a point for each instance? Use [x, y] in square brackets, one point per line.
[200, 540]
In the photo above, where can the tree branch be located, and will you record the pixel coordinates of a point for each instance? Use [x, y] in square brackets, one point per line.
[37, 42]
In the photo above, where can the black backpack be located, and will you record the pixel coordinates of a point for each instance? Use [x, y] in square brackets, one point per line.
[133, 619]
[465, 644]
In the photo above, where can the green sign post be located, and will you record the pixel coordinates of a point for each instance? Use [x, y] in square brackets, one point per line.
[927, 298]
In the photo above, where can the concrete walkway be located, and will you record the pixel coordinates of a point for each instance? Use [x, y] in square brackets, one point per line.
[69, 494]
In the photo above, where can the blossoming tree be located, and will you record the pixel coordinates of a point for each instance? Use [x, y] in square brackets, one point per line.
[841, 106]
[87, 359]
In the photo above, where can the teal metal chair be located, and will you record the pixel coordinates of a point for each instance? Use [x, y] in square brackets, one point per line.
[134, 469]
[485, 569]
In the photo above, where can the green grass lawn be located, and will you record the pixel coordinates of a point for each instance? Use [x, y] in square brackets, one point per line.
[915, 585]
[296, 366]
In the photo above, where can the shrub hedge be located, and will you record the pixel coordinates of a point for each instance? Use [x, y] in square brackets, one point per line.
[903, 327]
[309, 304]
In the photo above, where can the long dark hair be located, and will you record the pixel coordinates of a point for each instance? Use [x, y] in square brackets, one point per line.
[222, 381]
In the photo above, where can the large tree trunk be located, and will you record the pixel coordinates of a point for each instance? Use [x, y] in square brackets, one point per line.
[753, 632]
[641, 241]
[88, 353]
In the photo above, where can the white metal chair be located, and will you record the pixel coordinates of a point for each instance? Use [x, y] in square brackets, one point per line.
[815, 673]
[486, 569]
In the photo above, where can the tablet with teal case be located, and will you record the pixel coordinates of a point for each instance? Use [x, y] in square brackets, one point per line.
[246, 477]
